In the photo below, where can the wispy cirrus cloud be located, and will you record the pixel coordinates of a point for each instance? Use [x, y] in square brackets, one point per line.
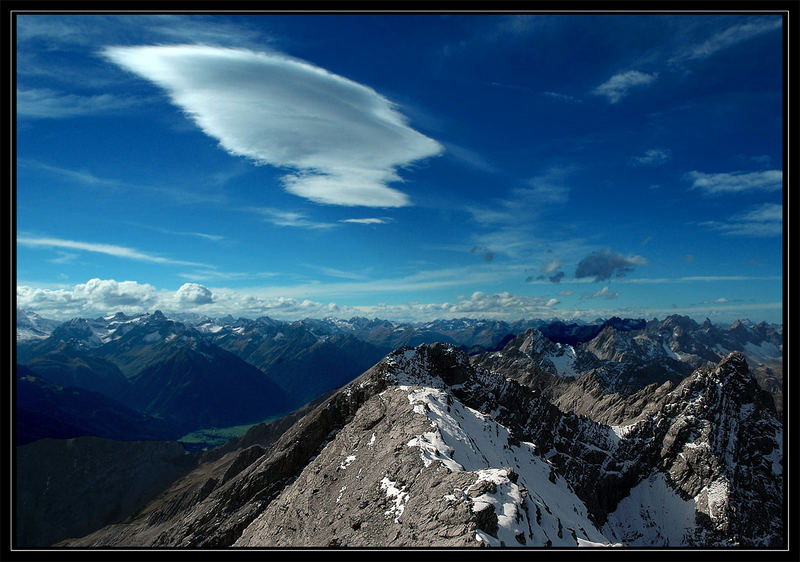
[344, 141]
[562, 97]
[735, 182]
[727, 38]
[107, 249]
[82, 177]
[652, 157]
[44, 103]
[369, 220]
[280, 217]
[335, 272]
[162, 230]
[617, 87]
[758, 222]
[213, 274]
[87, 178]
[548, 187]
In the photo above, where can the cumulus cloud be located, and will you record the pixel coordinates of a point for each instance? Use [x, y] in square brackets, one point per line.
[100, 296]
[735, 182]
[193, 294]
[652, 157]
[498, 304]
[94, 296]
[343, 140]
[616, 87]
[603, 264]
[758, 222]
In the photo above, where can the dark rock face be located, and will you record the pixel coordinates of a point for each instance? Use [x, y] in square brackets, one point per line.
[425, 449]
[69, 487]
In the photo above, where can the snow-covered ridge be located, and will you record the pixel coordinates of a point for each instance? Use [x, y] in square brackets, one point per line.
[533, 505]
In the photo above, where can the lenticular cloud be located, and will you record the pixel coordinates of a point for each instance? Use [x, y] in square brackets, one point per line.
[343, 141]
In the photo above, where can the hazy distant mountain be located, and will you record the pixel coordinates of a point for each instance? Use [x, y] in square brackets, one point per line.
[31, 326]
[158, 367]
[302, 362]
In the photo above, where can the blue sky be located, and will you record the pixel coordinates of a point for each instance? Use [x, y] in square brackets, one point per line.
[408, 167]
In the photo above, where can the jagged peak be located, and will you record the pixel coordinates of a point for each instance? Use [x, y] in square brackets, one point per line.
[436, 365]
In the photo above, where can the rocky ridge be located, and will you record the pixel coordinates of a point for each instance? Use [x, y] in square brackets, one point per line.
[426, 449]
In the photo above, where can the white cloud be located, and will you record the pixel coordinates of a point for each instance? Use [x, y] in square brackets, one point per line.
[82, 177]
[107, 249]
[653, 157]
[616, 87]
[203, 235]
[553, 265]
[367, 221]
[516, 217]
[49, 104]
[85, 178]
[735, 182]
[193, 294]
[333, 272]
[102, 296]
[343, 140]
[728, 37]
[289, 218]
[759, 222]
[96, 296]
[226, 275]
[603, 293]
[562, 97]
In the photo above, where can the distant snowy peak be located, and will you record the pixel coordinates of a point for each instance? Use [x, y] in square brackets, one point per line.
[31, 326]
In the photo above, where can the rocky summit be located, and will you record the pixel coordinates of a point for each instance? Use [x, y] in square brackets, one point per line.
[429, 449]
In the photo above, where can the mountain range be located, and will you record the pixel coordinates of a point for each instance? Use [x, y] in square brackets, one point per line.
[621, 432]
[427, 449]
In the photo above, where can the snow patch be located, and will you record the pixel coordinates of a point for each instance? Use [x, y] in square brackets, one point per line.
[464, 439]
[652, 514]
[765, 352]
[400, 498]
[346, 462]
[565, 363]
